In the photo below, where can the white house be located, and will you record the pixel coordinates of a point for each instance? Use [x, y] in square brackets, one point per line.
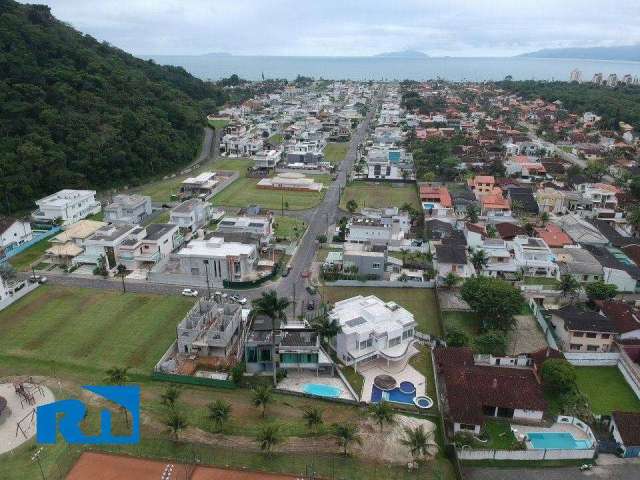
[534, 257]
[69, 205]
[146, 246]
[375, 231]
[104, 242]
[128, 209]
[191, 214]
[371, 328]
[267, 159]
[385, 163]
[500, 261]
[14, 232]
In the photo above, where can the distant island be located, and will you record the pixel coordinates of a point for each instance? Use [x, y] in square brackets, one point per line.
[625, 53]
[403, 54]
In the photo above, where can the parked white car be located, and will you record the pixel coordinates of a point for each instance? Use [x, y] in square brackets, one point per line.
[189, 292]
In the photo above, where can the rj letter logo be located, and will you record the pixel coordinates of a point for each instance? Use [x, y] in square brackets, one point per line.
[74, 411]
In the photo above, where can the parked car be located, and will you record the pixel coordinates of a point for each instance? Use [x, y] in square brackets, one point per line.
[42, 280]
[234, 298]
[189, 292]
[312, 290]
[242, 301]
[311, 305]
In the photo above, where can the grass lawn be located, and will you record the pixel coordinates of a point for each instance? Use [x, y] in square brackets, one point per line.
[323, 252]
[419, 301]
[288, 228]
[23, 260]
[379, 195]
[500, 436]
[276, 139]
[218, 123]
[607, 390]
[466, 321]
[244, 192]
[422, 362]
[335, 152]
[549, 282]
[91, 327]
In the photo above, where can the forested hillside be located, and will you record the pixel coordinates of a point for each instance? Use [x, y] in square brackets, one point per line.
[75, 112]
[613, 104]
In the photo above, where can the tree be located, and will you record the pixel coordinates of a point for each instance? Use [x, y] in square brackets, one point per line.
[417, 441]
[494, 300]
[491, 231]
[530, 229]
[268, 436]
[170, 396]
[568, 285]
[219, 412]
[493, 342]
[122, 272]
[101, 267]
[451, 280]
[237, 372]
[479, 260]
[517, 207]
[322, 238]
[7, 272]
[313, 418]
[633, 217]
[600, 290]
[558, 375]
[472, 213]
[176, 422]
[262, 395]
[326, 327]
[119, 376]
[382, 413]
[544, 218]
[346, 434]
[274, 307]
[455, 337]
[352, 205]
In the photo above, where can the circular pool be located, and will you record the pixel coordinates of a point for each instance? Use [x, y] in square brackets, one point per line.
[407, 387]
[423, 402]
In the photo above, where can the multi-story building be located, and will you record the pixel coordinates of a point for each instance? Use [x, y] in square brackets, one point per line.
[68, 205]
[201, 186]
[581, 330]
[191, 214]
[267, 159]
[104, 242]
[386, 163]
[534, 257]
[146, 246]
[374, 231]
[13, 233]
[128, 209]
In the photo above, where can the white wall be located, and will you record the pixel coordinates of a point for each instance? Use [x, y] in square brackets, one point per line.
[531, 415]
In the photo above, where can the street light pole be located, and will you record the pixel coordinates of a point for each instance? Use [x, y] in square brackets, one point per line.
[36, 458]
[206, 269]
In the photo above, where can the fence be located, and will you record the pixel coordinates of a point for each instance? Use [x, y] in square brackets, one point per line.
[37, 236]
[189, 380]
[538, 454]
[579, 424]
[548, 332]
[29, 287]
[380, 283]
[592, 359]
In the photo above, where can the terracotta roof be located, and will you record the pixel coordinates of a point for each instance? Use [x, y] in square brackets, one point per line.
[539, 356]
[554, 236]
[473, 227]
[471, 387]
[508, 231]
[427, 192]
[622, 315]
[629, 427]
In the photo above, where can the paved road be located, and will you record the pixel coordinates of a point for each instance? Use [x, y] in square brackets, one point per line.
[626, 471]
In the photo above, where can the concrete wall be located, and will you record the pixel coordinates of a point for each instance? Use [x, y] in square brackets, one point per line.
[380, 283]
[592, 359]
[469, 454]
[29, 287]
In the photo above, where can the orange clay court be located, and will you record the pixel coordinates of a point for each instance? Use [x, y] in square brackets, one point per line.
[101, 466]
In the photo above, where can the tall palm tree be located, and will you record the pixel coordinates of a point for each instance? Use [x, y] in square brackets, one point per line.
[326, 327]
[382, 413]
[472, 213]
[479, 260]
[313, 417]
[269, 436]
[176, 422]
[262, 395]
[219, 412]
[346, 434]
[274, 307]
[119, 376]
[122, 272]
[417, 440]
[170, 396]
[568, 285]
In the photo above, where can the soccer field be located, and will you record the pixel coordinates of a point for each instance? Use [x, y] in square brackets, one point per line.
[91, 327]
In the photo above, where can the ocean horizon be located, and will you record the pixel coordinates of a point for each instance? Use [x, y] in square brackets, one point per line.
[477, 69]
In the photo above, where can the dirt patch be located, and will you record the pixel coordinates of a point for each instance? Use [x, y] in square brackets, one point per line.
[526, 337]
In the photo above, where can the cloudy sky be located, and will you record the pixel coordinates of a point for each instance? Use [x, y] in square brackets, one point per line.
[351, 27]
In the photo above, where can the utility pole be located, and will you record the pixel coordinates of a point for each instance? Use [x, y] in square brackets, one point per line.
[36, 458]
[206, 269]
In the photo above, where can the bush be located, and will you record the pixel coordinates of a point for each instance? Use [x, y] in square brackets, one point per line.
[455, 337]
[493, 342]
[558, 375]
[494, 300]
[237, 373]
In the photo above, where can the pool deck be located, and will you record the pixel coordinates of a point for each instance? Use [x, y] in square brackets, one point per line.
[400, 370]
[556, 427]
[295, 382]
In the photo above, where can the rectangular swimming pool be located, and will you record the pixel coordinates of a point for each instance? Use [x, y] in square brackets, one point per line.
[557, 441]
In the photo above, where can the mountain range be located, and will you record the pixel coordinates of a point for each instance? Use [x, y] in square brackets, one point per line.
[402, 54]
[624, 53]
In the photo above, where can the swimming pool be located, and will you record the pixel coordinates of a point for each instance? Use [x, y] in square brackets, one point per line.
[556, 441]
[320, 390]
[404, 393]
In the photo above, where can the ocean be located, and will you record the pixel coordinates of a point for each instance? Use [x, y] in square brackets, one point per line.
[215, 67]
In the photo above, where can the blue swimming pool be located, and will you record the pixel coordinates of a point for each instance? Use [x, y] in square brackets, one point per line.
[557, 441]
[320, 390]
[405, 393]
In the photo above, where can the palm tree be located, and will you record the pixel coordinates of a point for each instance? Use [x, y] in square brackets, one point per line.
[544, 218]
[219, 412]
[568, 285]
[517, 207]
[313, 417]
[451, 280]
[479, 260]
[403, 253]
[472, 213]
[175, 423]
[382, 413]
[346, 434]
[274, 307]
[417, 440]
[269, 436]
[122, 272]
[491, 231]
[119, 376]
[170, 396]
[262, 395]
[326, 327]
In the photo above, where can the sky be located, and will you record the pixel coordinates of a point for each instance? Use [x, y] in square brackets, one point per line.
[351, 27]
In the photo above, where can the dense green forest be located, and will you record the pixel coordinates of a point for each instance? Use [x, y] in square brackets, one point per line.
[613, 104]
[75, 112]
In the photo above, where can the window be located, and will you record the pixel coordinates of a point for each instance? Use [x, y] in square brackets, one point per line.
[592, 348]
[578, 334]
[375, 266]
[605, 336]
[265, 355]
[407, 334]
[252, 355]
[395, 341]
[366, 344]
[575, 346]
[467, 426]
[592, 335]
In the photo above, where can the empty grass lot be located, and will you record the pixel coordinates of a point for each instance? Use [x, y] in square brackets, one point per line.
[468, 322]
[23, 260]
[335, 152]
[419, 301]
[244, 191]
[607, 390]
[91, 327]
[379, 195]
[289, 228]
